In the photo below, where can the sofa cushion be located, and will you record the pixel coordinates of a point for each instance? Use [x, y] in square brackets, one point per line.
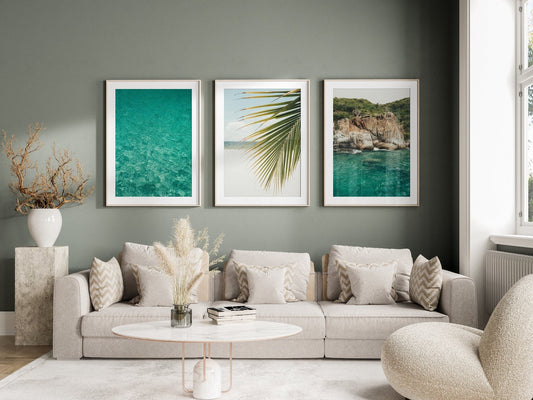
[345, 321]
[301, 269]
[367, 255]
[306, 314]
[100, 323]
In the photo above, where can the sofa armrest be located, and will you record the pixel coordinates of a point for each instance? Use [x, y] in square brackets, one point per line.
[458, 299]
[71, 303]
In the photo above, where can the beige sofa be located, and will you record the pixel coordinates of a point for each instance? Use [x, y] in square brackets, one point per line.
[329, 329]
[359, 331]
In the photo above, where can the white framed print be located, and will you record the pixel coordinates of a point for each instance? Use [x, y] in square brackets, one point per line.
[261, 143]
[371, 142]
[153, 143]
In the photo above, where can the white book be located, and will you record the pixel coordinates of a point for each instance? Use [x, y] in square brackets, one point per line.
[232, 321]
[231, 318]
[223, 311]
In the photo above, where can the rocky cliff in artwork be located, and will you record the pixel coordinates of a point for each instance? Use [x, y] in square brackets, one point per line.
[369, 132]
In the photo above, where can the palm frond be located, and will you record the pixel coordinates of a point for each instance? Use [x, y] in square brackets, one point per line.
[276, 144]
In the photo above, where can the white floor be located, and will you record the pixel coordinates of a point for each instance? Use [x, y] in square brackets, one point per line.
[161, 379]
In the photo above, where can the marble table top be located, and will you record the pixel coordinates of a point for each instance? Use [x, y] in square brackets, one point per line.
[206, 331]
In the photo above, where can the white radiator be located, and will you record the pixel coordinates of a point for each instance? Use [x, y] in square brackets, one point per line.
[503, 271]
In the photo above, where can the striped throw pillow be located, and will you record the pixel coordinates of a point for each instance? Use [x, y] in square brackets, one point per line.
[426, 282]
[105, 283]
[346, 289]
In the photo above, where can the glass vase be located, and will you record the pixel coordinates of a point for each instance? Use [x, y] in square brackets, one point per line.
[180, 316]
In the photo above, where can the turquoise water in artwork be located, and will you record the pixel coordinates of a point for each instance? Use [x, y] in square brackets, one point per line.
[372, 174]
[153, 143]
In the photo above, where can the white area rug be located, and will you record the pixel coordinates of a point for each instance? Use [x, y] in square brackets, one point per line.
[47, 379]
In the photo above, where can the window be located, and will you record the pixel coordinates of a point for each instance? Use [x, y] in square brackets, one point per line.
[525, 114]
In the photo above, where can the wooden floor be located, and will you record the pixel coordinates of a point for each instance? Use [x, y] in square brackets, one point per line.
[14, 357]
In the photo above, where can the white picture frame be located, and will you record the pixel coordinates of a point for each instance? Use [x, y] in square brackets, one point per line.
[364, 119]
[241, 140]
[153, 150]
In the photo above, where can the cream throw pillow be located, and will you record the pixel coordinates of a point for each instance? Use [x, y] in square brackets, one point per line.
[135, 254]
[345, 282]
[155, 287]
[266, 286]
[426, 282]
[369, 255]
[105, 283]
[371, 283]
[258, 257]
[242, 269]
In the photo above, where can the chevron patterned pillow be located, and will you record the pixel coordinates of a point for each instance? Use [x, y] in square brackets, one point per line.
[105, 283]
[426, 282]
[242, 278]
[346, 289]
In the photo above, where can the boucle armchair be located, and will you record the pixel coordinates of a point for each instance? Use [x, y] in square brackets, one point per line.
[434, 361]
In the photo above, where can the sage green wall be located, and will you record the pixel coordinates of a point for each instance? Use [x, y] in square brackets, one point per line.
[56, 55]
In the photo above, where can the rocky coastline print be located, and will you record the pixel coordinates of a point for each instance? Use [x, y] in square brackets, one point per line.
[371, 145]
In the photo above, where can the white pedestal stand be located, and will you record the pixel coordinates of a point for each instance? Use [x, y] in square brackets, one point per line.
[36, 269]
[207, 380]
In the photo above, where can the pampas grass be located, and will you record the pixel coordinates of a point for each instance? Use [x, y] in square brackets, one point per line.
[178, 261]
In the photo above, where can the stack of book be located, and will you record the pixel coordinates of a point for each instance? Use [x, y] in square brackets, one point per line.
[231, 314]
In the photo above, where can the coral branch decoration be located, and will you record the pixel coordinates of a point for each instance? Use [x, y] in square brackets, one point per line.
[181, 262]
[62, 181]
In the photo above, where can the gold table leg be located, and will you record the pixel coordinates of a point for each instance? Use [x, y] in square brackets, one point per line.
[230, 368]
[183, 369]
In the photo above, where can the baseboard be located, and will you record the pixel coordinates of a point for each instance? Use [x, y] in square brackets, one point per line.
[7, 323]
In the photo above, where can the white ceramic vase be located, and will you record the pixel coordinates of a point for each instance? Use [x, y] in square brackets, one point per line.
[44, 225]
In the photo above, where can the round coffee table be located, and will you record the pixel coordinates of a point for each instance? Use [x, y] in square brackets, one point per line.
[206, 376]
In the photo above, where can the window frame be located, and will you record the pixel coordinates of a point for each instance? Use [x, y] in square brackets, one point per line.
[524, 79]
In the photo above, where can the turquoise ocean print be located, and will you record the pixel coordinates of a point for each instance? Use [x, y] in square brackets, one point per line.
[372, 174]
[153, 143]
[371, 142]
